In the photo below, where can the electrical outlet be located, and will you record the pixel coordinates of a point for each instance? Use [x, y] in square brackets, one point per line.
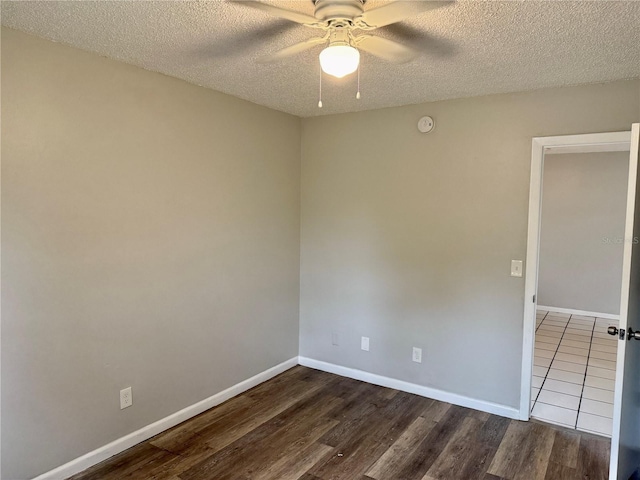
[417, 355]
[335, 340]
[126, 399]
[364, 344]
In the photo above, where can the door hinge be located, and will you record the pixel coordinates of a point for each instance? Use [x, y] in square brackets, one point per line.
[534, 299]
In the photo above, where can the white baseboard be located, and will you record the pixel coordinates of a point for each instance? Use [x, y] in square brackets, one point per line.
[572, 311]
[128, 441]
[490, 407]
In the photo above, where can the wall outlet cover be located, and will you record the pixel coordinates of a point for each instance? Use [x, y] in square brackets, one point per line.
[364, 344]
[417, 355]
[126, 398]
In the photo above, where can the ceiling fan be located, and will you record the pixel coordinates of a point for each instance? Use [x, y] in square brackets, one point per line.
[339, 19]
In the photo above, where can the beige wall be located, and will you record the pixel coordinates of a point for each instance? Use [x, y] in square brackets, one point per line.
[150, 238]
[407, 238]
[584, 201]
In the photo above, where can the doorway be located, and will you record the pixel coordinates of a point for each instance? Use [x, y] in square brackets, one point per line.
[582, 223]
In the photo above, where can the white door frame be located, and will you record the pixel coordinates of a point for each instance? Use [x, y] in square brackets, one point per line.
[588, 143]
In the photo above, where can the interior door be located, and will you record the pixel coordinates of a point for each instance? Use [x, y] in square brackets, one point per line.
[625, 439]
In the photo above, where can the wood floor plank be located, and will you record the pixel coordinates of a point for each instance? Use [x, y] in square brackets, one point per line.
[138, 459]
[432, 445]
[173, 468]
[369, 438]
[534, 465]
[257, 446]
[557, 471]
[524, 452]
[493, 430]
[310, 425]
[593, 456]
[392, 461]
[183, 436]
[294, 463]
[229, 429]
[452, 460]
[565, 448]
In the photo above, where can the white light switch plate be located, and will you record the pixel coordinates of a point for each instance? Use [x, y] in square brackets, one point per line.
[516, 268]
[364, 344]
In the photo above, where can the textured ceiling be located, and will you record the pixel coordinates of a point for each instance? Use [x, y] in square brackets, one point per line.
[483, 48]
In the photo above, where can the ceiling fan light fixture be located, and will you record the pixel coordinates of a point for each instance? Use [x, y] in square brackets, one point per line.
[339, 60]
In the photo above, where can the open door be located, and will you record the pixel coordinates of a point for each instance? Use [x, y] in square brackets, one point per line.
[625, 439]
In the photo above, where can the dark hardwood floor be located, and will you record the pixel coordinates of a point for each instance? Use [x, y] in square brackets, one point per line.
[309, 425]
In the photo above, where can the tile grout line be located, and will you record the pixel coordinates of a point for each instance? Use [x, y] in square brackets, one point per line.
[586, 369]
[534, 355]
[552, 359]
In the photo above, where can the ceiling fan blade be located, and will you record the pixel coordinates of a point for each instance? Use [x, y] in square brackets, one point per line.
[292, 15]
[422, 41]
[239, 42]
[396, 12]
[386, 49]
[294, 49]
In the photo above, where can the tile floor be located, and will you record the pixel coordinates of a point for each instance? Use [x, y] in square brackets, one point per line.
[574, 372]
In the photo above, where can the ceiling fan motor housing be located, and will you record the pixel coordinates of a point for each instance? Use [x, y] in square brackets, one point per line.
[327, 10]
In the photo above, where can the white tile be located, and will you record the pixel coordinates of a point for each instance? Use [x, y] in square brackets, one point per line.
[598, 394]
[596, 362]
[595, 423]
[574, 351]
[607, 320]
[566, 376]
[548, 338]
[562, 387]
[596, 408]
[577, 338]
[544, 362]
[601, 372]
[574, 343]
[580, 321]
[550, 329]
[580, 326]
[612, 357]
[546, 346]
[536, 382]
[598, 382]
[606, 336]
[567, 357]
[559, 399]
[604, 341]
[579, 333]
[553, 414]
[556, 323]
[603, 348]
[569, 367]
[540, 371]
[542, 353]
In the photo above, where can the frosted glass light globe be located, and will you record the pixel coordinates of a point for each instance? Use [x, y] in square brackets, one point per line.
[339, 60]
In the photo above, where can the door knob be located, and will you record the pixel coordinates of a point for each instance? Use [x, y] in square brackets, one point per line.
[612, 331]
[633, 334]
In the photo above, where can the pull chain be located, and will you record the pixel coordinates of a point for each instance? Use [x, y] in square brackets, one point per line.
[320, 95]
[358, 92]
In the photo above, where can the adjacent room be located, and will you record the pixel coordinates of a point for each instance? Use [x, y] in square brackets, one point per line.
[270, 239]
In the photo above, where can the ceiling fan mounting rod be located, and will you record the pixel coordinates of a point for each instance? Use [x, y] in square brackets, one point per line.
[340, 36]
